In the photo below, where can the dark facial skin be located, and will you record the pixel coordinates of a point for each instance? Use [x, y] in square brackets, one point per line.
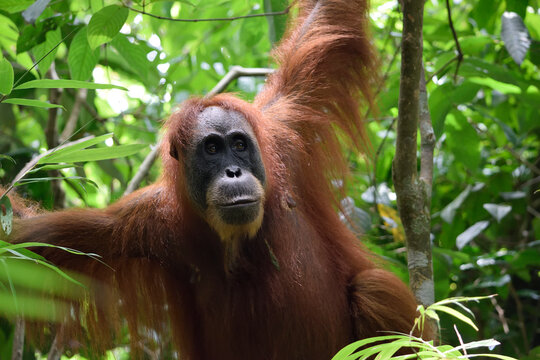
[224, 171]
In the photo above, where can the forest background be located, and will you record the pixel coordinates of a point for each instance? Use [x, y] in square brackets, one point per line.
[483, 83]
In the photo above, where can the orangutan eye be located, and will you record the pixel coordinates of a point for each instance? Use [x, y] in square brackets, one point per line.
[211, 147]
[239, 145]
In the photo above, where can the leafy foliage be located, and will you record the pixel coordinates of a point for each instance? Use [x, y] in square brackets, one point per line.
[389, 349]
[484, 109]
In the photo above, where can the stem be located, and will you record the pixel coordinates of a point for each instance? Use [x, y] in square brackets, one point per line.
[412, 193]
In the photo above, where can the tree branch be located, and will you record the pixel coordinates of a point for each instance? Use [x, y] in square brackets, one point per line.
[427, 141]
[234, 73]
[18, 340]
[55, 352]
[458, 47]
[71, 124]
[144, 169]
[411, 191]
[51, 135]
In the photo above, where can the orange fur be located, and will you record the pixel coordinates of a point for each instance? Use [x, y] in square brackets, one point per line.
[302, 287]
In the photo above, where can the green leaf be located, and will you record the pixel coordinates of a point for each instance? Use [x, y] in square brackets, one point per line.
[97, 154]
[476, 67]
[51, 178]
[52, 39]
[517, 6]
[501, 87]
[65, 84]
[475, 45]
[6, 214]
[463, 141]
[21, 251]
[81, 58]
[9, 31]
[13, 6]
[532, 21]
[455, 314]
[6, 76]
[32, 35]
[535, 53]
[33, 306]
[105, 24]
[72, 148]
[461, 299]
[443, 99]
[32, 102]
[439, 106]
[486, 13]
[352, 348]
[50, 167]
[32, 275]
[7, 157]
[134, 54]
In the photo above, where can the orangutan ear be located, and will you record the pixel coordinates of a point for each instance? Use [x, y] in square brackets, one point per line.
[173, 152]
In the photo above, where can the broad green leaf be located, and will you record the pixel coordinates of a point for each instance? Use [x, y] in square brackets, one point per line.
[98, 154]
[73, 148]
[52, 39]
[443, 99]
[32, 102]
[81, 58]
[501, 87]
[475, 45]
[440, 103]
[13, 6]
[463, 141]
[517, 6]
[6, 76]
[479, 68]
[535, 53]
[134, 54]
[6, 215]
[34, 34]
[486, 13]
[65, 84]
[9, 31]
[532, 21]
[105, 24]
